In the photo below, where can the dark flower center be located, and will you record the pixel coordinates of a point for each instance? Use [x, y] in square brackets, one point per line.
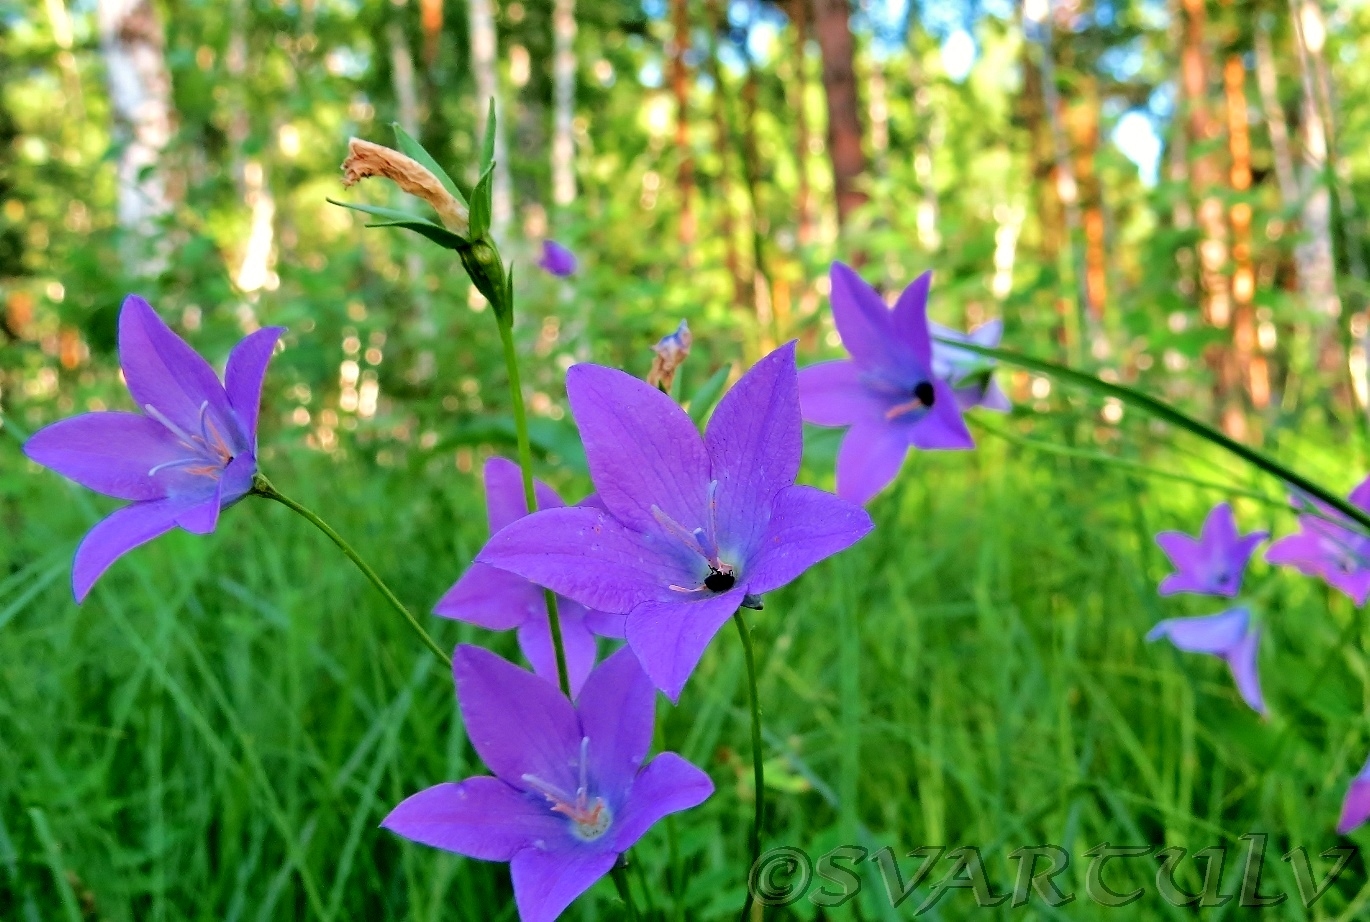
[925, 394]
[718, 581]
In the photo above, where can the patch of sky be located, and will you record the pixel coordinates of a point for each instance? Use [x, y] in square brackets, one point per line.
[1136, 136]
[1123, 62]
[649, 74]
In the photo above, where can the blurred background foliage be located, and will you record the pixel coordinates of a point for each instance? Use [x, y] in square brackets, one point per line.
[1170, 193]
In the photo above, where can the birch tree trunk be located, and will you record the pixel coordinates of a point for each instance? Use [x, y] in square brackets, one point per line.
[564, 102]
[140, 96]
[832, 26]
[485, 64]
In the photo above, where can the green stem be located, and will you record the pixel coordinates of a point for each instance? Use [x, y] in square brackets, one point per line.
[758, 769]
[263, 487]
[621, 882]
[511, 363]
[1165, 412]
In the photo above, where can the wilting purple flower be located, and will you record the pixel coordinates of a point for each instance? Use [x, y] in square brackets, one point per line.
[570, 791]
[1213, 563]
[1337, 554]
[556, 259]
[1229, 635]
[969, 374]
[695, 527]
[191, 453]
[501, 601]
[1355, 807]
[889, 393]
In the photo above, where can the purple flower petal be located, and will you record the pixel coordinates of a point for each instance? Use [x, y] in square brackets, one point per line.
[995, 399]
[244, 374]
[865, 323]
[546, 882]
[163, 372]
[480, 817]
[617, 714]
[557, 260]
[1216, 635]
[870, 457]
[911, 319]
[642, 448]
[493, 599]
[202, 517]
[1242, 661]
[942, 426]
[535, 640]
[504, 499]
[118, 534]
[606, 624]
[1329, 552]
[754, 440]
[587, 556]
[110, 453]
[1355, 807]
[807, 526]
[518, 723]
[670, 637]
[667, 785]
[831, 394]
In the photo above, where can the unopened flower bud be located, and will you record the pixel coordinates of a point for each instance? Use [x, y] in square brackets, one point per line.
[671, 353]
[365, 159]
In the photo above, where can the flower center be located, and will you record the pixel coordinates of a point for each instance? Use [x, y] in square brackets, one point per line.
[924, 396]
[209, 450]
[590, 817]
[703, 542]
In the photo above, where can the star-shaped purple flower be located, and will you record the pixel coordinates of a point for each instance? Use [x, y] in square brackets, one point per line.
[1213, 563]
[557, 260]
[500, 601]
[570, 792]
[969, 374]
[1355, 807]
[889, 393]
[1339, 555]
[695, 527]
[190, 453]
[1229, 635]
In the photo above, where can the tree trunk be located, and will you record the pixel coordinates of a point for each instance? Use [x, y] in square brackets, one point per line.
[722, 132]
[1250, 364]
[799, 18]
[833, 28]
[680, 86]
[564, 102]
[485, 65]
[140, 96]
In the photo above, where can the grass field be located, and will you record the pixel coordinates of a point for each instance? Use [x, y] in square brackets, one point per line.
[218, 731]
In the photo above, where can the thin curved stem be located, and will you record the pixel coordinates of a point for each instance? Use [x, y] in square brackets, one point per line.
[263, 487]
[758, 768]
[624, 893]
[1164, 411]
[511, 363]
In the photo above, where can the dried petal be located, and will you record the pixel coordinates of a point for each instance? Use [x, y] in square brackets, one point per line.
[365, 159]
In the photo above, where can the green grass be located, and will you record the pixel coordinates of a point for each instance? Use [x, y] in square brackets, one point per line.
[218, 731]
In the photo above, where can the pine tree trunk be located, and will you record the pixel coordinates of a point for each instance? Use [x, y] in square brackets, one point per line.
[680, 87]
[485, 66]
[832, 26]
[140, 97]
[1250, 364]
[564, 102]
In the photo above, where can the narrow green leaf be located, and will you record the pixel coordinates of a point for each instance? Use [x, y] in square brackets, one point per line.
[706, 395]
[1165, 412]
[487, 147]
[415, 151]
[390, 214]
[395, 218]
[481, 204]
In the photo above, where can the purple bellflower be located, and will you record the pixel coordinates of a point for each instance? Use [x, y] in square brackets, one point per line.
[569, 793]
[500, 601]
[191, 452]
[969, 374]
[1355, 807]
[1213, 563]
[1229, 635]
[889, 392]
[557, 260]
[692, 528]
[1322, 548]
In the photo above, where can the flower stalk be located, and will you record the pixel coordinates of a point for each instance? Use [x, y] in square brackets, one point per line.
[758, 765]
[263, 487]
